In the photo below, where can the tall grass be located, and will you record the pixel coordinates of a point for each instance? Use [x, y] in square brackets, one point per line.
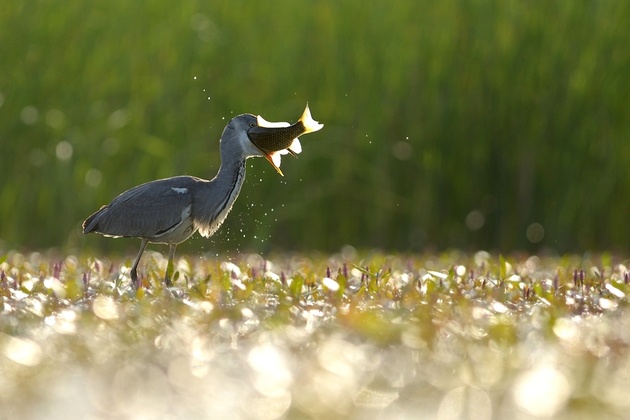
[448, 124]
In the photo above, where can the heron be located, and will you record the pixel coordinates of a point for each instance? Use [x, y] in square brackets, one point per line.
[170, 210]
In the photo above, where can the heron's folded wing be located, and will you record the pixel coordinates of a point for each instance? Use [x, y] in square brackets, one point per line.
[147, 210]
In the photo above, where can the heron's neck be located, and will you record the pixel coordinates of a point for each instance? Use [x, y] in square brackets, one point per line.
[215, 204]
[229, 179]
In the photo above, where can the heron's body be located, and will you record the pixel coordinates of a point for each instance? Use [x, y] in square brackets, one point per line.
[171, 210]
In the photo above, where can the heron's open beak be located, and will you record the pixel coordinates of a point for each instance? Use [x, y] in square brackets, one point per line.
[276, 164]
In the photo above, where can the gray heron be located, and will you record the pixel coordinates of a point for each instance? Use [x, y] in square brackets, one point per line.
[169, 211]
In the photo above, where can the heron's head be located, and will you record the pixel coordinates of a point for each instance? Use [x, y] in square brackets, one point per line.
[258, 137]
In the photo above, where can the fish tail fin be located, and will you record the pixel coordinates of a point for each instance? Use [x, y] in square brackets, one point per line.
[310, 125]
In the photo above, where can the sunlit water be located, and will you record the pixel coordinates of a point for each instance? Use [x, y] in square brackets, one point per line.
[375, 338]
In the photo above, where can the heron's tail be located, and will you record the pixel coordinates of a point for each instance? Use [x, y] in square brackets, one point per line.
[91, 223]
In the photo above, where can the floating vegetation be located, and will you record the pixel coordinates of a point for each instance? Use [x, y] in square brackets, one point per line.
[373, 336]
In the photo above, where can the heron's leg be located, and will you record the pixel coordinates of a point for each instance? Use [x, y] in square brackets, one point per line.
[169, 267]
[134, 267]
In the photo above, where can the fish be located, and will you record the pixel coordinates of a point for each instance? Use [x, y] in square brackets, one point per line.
[280, 138]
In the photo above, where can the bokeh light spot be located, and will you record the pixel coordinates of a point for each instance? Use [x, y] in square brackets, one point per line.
[111, 146]
[105, 307]
[29, 115]
[475, 220]
[541, 392]
[21, 350]
[64, 150]
[402, 150]
[465, 402]
[55, 119]
[37, 157]
[535, 233]
[93, 177]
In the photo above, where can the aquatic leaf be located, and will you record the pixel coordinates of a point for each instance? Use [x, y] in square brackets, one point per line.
[295, 288]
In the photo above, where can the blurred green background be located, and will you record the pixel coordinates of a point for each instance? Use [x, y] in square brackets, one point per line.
[502, 125]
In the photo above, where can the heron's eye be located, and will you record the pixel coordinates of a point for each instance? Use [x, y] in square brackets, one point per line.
[252, 124]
